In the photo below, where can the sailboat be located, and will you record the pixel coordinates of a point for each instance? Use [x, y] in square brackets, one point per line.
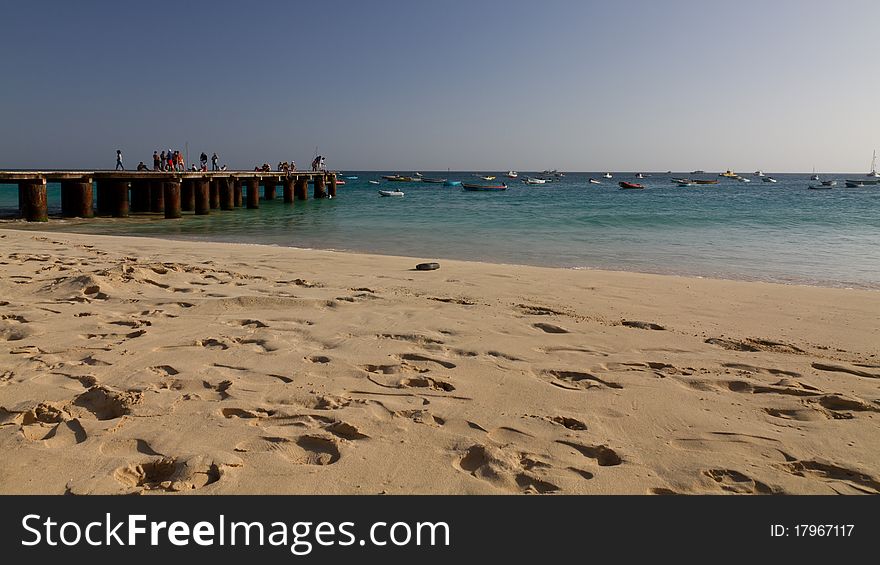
[814, 176]
[874, 173]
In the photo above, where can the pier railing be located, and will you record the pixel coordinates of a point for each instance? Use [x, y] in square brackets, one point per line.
[121, 193]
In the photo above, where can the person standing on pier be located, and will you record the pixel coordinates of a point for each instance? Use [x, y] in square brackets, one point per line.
[170, 156]
[162, 161]
[181, 166]
[119, 164]
[214, 159]
[156, 163]
[203, 161]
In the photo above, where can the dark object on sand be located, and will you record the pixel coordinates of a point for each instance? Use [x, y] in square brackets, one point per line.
[427, 266]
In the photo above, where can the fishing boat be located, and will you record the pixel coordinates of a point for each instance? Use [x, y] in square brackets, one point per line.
[759, 173]
[483, 187]
[729, 174]
[486, 178]
[629, 185]
[340, 182]
[532, 180]
[408, 179]
[850, 183]
[606, 176]
[640, 175]
[512, 174]
[390, 193]
[373, 182]
[819, 187]
[700, 181]
[397, 178]
[743, 179]
[452, 183]
[433, 181]
[768, 179]
[594, 181]
[698, 172]
[680, 180]
[814, 176]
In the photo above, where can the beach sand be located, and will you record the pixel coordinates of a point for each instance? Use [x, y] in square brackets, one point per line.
[134, 365]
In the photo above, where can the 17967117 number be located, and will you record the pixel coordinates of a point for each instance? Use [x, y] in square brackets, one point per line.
[824, 530]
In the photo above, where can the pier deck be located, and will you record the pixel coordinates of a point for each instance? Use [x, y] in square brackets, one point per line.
[121, 193]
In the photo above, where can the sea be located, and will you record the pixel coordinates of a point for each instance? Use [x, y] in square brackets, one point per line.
[757, 231]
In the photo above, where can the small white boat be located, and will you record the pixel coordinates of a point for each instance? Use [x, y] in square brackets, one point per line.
[532, 180]
[768, 179]
[606, 175]
[759, 174]
[594, 181]
[820, 187]
[374, 182]
[640, 175]
[743, 179]
[512, 174]
[390, 193]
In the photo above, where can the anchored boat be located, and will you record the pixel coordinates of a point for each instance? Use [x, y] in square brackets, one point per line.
[629, 185]
[483, 187]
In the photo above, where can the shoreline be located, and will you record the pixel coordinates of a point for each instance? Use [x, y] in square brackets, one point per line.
[149, 365]
[30, 228]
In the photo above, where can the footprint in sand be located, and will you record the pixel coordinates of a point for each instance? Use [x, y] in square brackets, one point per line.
[550, 328]
[603, 455]
[857, 480]
[733, 481]
[509, 471]
[642, 325]
[170, 474]
[305, 450]
[578, 380]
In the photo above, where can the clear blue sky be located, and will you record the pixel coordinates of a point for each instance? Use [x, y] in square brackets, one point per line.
[470, 85]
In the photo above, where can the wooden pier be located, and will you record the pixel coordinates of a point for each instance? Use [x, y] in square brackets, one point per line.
[122, 193]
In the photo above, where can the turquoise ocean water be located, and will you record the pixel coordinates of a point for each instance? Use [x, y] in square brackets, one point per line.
[778, 232]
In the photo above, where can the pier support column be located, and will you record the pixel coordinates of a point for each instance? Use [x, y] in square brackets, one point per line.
[118, 194]
[253, 193]
[269, 189]
[32, 200]
[331, 188]
[236, 193]
[172, 203]
[202, 189]
[227, 197]
[301, 188]
[215, 194]
[140, 195]
[77, 199]
[188, 195]
[288, 190]
[319, 187]
[157, 197]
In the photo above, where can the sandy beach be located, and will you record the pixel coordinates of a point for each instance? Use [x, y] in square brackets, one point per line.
[135, 365]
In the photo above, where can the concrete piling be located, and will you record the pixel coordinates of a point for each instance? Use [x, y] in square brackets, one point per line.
[172, 199]
[320, 191]
[202, 190]
[77, 199]
[32, 200]
[253, 193]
